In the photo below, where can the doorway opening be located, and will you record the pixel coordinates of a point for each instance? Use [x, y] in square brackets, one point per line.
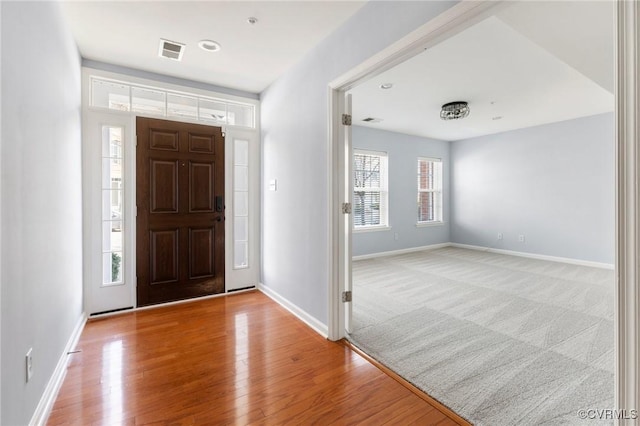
[462, 17]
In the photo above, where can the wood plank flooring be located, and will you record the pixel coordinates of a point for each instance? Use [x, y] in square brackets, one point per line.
[239, 360]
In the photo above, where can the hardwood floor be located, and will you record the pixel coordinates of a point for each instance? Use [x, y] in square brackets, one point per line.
[240, 359]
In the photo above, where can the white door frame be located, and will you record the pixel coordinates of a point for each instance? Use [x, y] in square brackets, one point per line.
[98, 297]
[234, 278]
[627, 93]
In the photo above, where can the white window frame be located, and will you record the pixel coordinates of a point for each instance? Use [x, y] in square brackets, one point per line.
[383, 189]
[437, 190]
[160, 107]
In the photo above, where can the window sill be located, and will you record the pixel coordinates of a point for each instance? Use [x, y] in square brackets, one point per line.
[371, 229]
[427, 224]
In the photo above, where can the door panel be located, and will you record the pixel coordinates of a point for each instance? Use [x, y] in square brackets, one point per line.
[201, 143]
[201, 186]
[163, 140]
[180, 235]
[202, 253]
[164, 186]
[163, 256]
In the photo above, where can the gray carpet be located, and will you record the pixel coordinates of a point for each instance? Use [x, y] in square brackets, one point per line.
[501, 340]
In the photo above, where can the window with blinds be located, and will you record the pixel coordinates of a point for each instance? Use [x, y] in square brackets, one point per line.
[429, 190]
[370, 190]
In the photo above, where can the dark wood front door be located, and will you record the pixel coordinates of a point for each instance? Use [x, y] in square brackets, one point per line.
[180, 222]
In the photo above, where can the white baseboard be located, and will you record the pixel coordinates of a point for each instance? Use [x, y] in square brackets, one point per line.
[401, 251]
[302, 315]
[55, 382]
[537, 256]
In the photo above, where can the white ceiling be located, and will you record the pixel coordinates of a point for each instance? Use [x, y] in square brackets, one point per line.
[532, 63]
[127, 33]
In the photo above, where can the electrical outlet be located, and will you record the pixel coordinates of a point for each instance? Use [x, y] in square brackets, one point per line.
[396, 236]
[29, 364]
[521, 238]
[500, 235]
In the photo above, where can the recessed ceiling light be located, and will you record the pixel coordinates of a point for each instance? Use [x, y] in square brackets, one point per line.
[251, 20]
[386, 86]
[209, 45]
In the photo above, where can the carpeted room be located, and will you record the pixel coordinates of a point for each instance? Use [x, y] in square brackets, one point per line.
[502, 305]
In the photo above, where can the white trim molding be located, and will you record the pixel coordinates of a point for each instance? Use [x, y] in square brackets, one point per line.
[628, 208]
[302, 315]
[401, 251]
[55, 382]
[537, 256]
[364, 229]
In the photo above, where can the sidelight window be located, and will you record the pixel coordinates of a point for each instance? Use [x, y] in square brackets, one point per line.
[240, 204]
[112, 205]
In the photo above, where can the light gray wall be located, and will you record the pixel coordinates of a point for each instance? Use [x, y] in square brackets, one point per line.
[41, 199]
[295, 223]
[402, 153]
[553, 183]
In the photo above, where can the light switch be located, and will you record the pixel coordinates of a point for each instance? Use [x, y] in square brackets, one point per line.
[273, 185]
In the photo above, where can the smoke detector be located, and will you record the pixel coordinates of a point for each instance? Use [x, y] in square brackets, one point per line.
[171, 50]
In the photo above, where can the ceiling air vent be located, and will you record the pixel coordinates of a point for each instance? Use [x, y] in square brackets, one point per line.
[171, 50]
[372, 120]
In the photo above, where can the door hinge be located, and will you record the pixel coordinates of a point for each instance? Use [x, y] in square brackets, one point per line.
[346, 119]
[346, 296]
[136, 140]
[346, 208]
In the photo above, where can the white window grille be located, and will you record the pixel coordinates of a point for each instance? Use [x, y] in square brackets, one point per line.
[122, 96]
[429, 190]
[370, 189]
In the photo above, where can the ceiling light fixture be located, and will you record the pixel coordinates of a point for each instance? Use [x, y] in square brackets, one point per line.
[386, 86]
[454, 110]
[209, 45]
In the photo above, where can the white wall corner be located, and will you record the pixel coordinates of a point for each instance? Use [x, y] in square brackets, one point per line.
[48, 398]
[302, 315]
[0, 208]
[1, 257]
[628, 210]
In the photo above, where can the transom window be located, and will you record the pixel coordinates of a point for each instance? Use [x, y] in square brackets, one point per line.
[370, 189]
[429, 190]
[123, 96]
